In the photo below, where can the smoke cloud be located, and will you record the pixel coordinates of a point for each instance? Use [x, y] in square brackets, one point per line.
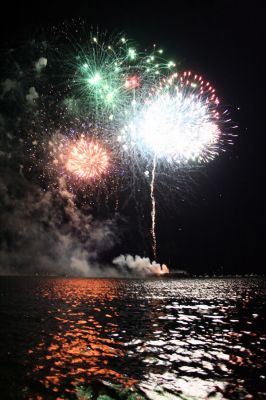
[32, 96]
[139, 266]
[40, 64]
[45, 233]
[8, 85]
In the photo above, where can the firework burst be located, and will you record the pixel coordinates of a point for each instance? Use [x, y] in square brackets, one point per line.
[87, 160]
[111, 75]
[82, 158]
[178, 122]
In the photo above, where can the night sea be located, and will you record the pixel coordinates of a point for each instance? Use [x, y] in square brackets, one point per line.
[71, 338]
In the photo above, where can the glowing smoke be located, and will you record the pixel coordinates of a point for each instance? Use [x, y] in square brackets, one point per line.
[139, 266]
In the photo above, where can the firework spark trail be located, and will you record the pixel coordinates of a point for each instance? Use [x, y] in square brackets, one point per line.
[153, 211]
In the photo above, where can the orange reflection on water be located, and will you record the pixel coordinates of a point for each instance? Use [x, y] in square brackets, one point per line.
[80, 347]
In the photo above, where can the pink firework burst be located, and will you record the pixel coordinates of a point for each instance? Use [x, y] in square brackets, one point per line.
[87, 159]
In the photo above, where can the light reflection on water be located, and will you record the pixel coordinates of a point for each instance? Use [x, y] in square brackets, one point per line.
[189, 336]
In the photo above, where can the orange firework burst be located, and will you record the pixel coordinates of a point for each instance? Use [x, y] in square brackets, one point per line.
[86, 159]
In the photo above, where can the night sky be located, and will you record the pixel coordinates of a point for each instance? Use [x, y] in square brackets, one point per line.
[219, 225]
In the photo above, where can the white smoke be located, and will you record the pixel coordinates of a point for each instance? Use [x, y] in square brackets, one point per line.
[8, 85]
[139, 266]
[46, 233]
[40, 64]
[32, 95]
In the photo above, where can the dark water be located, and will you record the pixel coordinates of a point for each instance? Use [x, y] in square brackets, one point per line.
[186, 339]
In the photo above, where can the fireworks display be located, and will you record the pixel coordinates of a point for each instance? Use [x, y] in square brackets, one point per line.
[122, 116]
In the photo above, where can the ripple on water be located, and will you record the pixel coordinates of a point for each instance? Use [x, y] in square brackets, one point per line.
[189, 337]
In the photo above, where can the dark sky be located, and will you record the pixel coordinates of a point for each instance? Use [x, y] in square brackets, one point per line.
[223, 224]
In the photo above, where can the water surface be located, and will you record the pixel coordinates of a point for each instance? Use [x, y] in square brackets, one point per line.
[190, 337]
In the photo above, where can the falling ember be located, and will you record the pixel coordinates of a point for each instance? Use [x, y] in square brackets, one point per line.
[87, 159]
